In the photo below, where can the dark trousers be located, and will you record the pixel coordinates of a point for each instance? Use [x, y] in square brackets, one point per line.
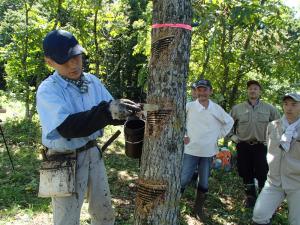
[252, 163]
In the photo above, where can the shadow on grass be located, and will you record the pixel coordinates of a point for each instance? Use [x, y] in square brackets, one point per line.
[19, 188]
[122, 174]
[224, 204]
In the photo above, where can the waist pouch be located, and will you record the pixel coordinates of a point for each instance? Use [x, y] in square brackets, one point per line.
[57, 176]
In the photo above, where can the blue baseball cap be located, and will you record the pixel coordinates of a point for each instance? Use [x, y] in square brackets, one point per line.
[193, 86]
[61, 45]
[203, 83]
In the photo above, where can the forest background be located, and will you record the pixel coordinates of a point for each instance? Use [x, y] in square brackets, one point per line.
[232, 42]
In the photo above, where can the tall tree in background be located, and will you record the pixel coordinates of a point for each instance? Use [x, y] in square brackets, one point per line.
[104, 28]
[235, 41]
[157, 200]
[5, 5]
[22, 52]
[241, 40]
[123, 66]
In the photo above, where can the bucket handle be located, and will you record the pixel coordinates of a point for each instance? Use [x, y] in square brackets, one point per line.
[136, 142]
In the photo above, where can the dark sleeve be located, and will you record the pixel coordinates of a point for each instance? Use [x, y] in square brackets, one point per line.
[85, 123]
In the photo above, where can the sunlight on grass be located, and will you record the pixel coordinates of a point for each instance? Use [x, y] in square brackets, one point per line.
[112, 170]
[19, 204]
[191, 220]
[13, 108]
[125, 176]
[114, 150]
[120, 201]
[228, 202]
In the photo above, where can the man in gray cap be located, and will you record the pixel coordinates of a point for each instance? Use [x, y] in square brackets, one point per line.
[283, 181]
[249, 133]
[74, 107]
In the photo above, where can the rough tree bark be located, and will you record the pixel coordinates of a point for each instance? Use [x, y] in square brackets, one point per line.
[58, 14]
[157, 200]
[27, 8]
[240, 72]
[226, 60]
[97, 61]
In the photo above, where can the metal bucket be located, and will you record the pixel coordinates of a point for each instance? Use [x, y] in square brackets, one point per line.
[134, 137]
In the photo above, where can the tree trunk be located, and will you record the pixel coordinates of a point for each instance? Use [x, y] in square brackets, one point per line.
[24, 61]
[97, 63]
[58, 14]
[240, 72]
[226, 60]
[157, 200]
[206, 49]
[206, 52]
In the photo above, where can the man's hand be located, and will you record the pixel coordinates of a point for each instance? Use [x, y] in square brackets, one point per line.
[235, 139]
[122, 108]
[186, 140]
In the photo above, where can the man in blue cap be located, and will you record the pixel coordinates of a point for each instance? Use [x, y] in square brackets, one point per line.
[193, 92]
[73, 107]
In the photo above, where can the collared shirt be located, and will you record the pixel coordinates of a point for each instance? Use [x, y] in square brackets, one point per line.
[256, 102]
[250, 122]
[81, 83]
[57, 99]
[284, 167]
[205, 127]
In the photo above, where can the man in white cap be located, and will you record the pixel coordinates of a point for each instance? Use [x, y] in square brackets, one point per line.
[73, 107]
[283, 180]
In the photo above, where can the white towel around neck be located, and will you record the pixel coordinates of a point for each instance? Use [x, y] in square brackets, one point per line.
[289, 133]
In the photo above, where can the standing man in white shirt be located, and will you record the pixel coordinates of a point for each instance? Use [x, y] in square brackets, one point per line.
[206, 123]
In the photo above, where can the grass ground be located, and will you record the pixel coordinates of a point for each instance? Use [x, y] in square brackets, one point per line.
[19, 204]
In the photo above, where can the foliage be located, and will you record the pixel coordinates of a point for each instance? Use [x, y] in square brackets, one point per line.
[22, 52]
[18, 191]
[225, 201]
[241, 40]
[107, 29]
[22, 131]
[19, 188]
[235, 41]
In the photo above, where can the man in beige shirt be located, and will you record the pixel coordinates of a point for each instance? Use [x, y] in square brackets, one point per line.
[249, 133]
[283, 138]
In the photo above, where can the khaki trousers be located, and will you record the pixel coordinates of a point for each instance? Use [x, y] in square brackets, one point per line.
[91, 179]
[270, 198]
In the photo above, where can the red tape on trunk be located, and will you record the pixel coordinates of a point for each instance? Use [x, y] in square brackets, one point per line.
[177, 25]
